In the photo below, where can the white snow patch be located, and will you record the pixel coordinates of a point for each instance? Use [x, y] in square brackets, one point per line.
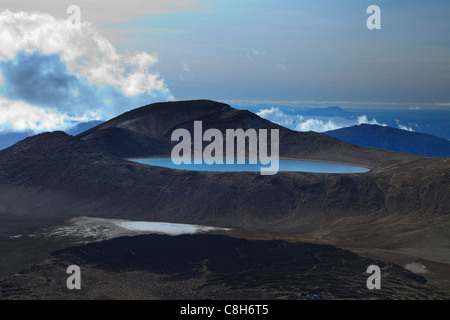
[416, 268]
[90, 229]
[164, 227]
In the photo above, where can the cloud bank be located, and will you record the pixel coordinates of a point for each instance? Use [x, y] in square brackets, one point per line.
[300, 123]
[20, 116]
[68, 73]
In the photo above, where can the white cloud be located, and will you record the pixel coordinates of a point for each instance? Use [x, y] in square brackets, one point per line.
[277, 116]
[415, 108]
[318, 124]
[89, 56]
[86, 52]
[442, 104]
[300, 123]
[405, 128]
[20, 116]
[364, 120]
[1, 78]
[402, 127]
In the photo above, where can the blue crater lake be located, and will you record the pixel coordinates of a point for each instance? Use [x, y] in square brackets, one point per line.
[284, 165]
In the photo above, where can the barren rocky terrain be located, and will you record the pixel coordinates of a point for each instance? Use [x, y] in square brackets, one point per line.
[212, 267]
[399, 212]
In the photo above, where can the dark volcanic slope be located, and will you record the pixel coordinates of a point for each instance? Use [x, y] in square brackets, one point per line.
[211, 267]
[393, 139]
[146, 131]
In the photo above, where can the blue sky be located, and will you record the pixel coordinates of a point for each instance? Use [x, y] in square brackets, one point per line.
[319, 50]
[300, 53]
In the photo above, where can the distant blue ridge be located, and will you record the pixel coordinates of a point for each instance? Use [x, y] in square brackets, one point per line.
[393, 139]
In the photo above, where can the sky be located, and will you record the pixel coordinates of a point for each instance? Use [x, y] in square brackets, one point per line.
[300, 53]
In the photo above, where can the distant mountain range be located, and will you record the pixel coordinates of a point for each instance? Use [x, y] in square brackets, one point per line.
[433, 122]
[388, 138]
